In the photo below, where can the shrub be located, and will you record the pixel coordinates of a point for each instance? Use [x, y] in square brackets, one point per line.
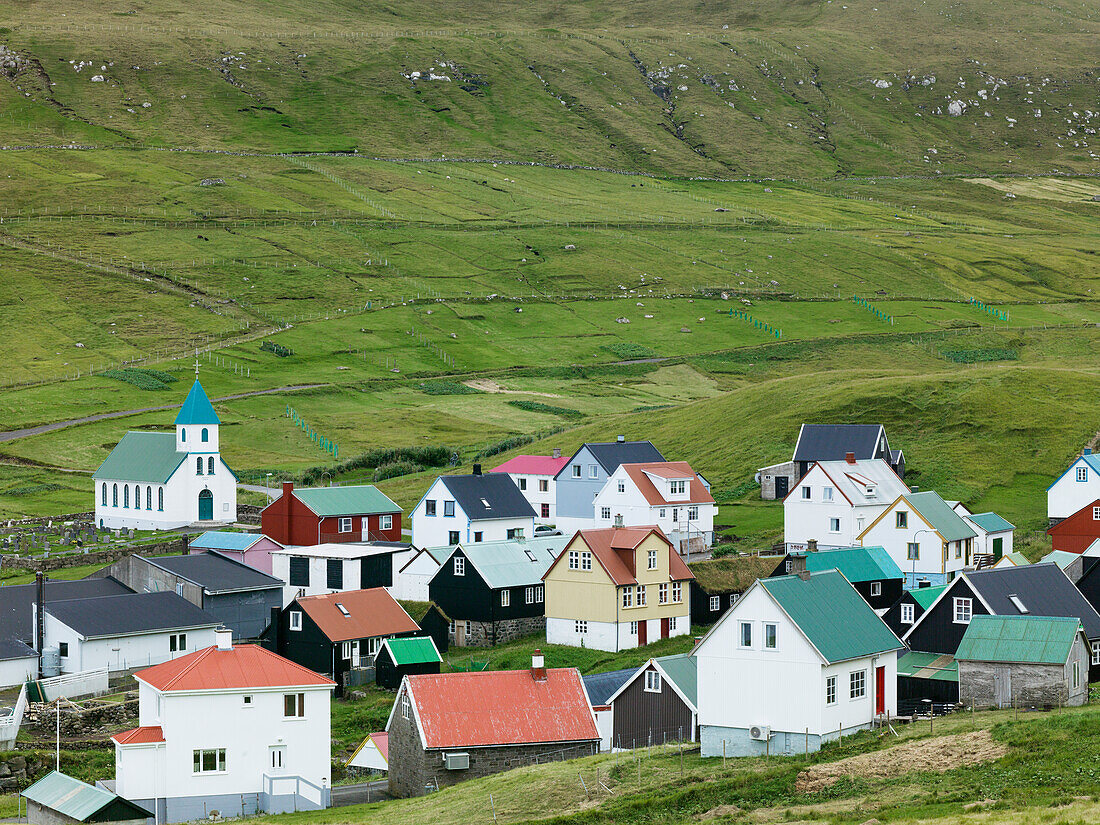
[446, 387]
[535, 406]
[975, 356]
[394, 469]
[143, 379]
[277, 349]
[427, 456]
[34, 488]
[512, 442]
[628, 351]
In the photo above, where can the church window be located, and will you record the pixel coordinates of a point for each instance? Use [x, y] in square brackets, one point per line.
[183, 433]
[114, 496]
[198, 466]
[148, 498]
[103, 497]
[205, 435]
[125, 495]
[210, 466]
[160, 498]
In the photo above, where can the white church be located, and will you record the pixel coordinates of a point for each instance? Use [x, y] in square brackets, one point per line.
[161, 481]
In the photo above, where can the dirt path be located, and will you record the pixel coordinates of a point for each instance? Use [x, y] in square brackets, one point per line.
[939, 754]
[12, 435]
[488, 385]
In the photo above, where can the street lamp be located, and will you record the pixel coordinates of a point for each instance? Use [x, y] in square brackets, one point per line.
[916, 542]
[269, 486]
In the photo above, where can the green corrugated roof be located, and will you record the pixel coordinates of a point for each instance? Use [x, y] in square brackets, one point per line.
[414, 651]
[940, 666]
[936, 512]
[150, 458]
[924, 596]
[991, 522]
[196, 408]
[1030, 639]
[1062, 558]
[683, 672]
[834, 617]
[365, 499]
[858, 564]
[77, 799]
[1018, 558]
[514, 562]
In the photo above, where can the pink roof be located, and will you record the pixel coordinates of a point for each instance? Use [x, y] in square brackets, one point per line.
[140, 736]
[532, 465]
[382, 742]
[244, 666]
[501, 707]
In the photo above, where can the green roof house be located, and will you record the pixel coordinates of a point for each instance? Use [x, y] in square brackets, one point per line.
[871, 570]
[1023, 661]
[807, 659]
[165, 480]
[994, 539]
[398, 658]
[658, 703]
[57, 798]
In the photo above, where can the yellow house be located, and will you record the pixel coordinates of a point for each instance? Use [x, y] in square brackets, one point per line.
[617, 588]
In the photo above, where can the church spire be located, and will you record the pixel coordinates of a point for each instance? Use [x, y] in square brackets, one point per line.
[196, 408]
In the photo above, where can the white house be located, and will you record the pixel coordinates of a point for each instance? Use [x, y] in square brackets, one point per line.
[797, 661]
[927, 539]
[473, 508]
[1077, 487]
[994, 534]
[834, 501]
[534, 475]
[412, 580]
[18, 663]
[127, 631]
[668, 494]
[320, 569]
[227, 731]
[161, 481]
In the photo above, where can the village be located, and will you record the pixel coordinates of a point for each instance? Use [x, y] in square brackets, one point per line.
[883, 605]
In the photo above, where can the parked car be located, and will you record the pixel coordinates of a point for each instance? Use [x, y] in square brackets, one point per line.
[544, 530]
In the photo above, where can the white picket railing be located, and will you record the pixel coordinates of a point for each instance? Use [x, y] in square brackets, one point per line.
[9, 725]
[75, 685]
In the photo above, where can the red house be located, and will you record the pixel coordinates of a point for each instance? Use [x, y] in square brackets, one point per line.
[317, 515]
[1076, 533]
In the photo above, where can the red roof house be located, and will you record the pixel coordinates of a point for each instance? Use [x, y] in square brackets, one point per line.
[320, 515]
[448, 727]
[1076, 533]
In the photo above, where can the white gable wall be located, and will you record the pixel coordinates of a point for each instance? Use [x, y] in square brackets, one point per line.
[434, 531]
[805, 519]
[1067, 495]
[636, 511]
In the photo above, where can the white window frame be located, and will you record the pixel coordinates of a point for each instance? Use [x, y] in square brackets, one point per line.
[830, 690]
[876, 588]
[652, 560]
[1082, 473]
[605, 512]
[826, 493]
[715, 603]
[677, 592]
[576, 471]
[693, 512]
[295, 620]
[741, 635]
[540, 593]
[962, 610]
[1096, 653]
[834, 525]
[662, 594]
[406, 706]
[529, 595]
[544, 485]
[198, 759]
[857, 685]
[505, 597]
[385, 522]
[652, 681]
[806, 494]
[459, 565]
[678, 486]
[593, 471]
[448, 509]
[774, 628]
[298, 711]
[622, 486]
[628, 596]
[586, 560]
[1076, 675]
[345, 524]
[908, 613]
[580, 626]
[641, 595]
[574, 560]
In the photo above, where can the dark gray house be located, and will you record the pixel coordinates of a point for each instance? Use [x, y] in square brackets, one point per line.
[239, 596]
[17, 602]
[827, 442]
[657, 704]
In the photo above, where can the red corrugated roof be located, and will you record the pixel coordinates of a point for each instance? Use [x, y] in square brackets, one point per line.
[697, 493]
[382, 742]
[140, 736]
[532, 465]
[615, 549]
[372, 612]
[244, 666]
[502, 707]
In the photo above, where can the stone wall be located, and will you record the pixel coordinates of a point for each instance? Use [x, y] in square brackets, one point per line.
[91, 718]
[481, 633]
[18, 771]
[108, 555]
[248, 513]
[1031, 685]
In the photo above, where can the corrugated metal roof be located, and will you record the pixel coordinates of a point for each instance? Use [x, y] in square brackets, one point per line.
[936, 512]
[851, 481]
[683, 671]
[149, 458]
[1017, 558]
[129, 613]
[364, 499]
[601, 686]
[924, 596]
[145, 735]
[939, 666]
[832, 615]
[226, 540]
[1030, 639]
[532, 465]
[78, 800]
[1062, 558]
[196, 408]
[244, 666]
[1042, 588]
[858, 564]
[507, 563]
[215, 573]
[412, 651]
[991, 522]
[370, 612]
[610, 454]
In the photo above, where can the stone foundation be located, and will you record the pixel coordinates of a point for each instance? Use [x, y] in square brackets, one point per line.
[481, 633]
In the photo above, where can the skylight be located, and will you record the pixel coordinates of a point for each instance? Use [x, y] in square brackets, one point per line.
[1019, 605]
[343, 610]
[488, 506]
[530, 555]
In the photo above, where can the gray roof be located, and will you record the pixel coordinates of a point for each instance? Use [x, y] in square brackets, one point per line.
[15, 649]
[215, 573]
[16, 601]
[830, 442]
[489, 496]
[1042, 588]
[130, 613]
[601, 686]
[610, 454]
[515, 562]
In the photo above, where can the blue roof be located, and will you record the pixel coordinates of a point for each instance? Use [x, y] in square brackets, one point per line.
[991, 522]
[196, 408]
[226, 540]
[1091, 459]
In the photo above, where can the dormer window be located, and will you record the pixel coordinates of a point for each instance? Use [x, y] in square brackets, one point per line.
[677, 486]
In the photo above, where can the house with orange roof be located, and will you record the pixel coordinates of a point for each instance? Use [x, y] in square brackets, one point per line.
[668, 494]
[229, 730]
[445, 728]
[617, 588]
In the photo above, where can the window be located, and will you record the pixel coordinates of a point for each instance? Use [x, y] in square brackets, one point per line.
[148, 498]
[1096, 653]
[857, 684]
[901, 519]
[677, 487]
[633, 628]
[334, 574]
[622, 486]
[652, 559]
[958, 549]
[826, 493]
[209, 761]
[605, 512]
[177, 641]
[125, 495]
[460, 566]
[210, 466]
[347, 649]
[574, 560]
[672, 624]
[429, 506]
[529, 595]
[770, 634]
[586, 560]
[1076, 675]
[908, 614]
[675, 514]
[385, 522]
[295, 620]
[652, 681]
[662, 594]
[876, 588]
[1095, 510]
[580, 627]
[452, 537]
[677, 591]
[628, 597]
[912, 551]
[576, 471]
[277, 753]
[522, 483]
[539, 593]
[693, 513]
[515, 532]
[198, 465]
[183, 434]
[405, 706]
[834, 525]
[477, 536]
[733, 598]
[593, 471]
[246, 700]
[544, 485]
[788, 565]
[641, 595]
[544, 511]
[345, 525]
[448, 509]
[63, 649]
[746, 634]
[104, 496]
[830, 690]
[294, 705]
[160, 498]
[451, 627]
[964, 609]
[114, 495]
[205, 435]
[715, 603]
[505, 598]
[805, 493]
[1082, 473]
[299, 571]
[662, 513]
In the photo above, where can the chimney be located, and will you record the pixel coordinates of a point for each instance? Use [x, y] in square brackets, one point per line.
[538, 666]
[288, 488]
[477, 469]
[850, 457]
[39, 616]
[1088, 451]
[798, 563]
[223, 638]
[804, 575]
[557, 452]
[914, 488]
[811, 545]
[621, 438]
[698, 639]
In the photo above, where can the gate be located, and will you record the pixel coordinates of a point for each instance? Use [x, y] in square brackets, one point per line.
[1002, 686]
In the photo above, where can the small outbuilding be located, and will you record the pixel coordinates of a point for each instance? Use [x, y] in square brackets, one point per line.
[657, 704]
[398, 658]
[1007, 661]
[57, 798]
[432, 620]
[373, 753]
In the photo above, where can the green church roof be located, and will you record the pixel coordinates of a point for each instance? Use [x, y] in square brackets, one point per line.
[1030, 639]
[148, 458]
[196, 408]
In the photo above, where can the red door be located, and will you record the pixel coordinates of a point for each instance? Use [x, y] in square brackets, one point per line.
[642, 636]
[664, 628]
[880, 690]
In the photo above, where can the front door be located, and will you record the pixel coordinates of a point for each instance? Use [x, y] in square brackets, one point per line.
[880, 690]
[643, 636]
[782, 486]
[1002, 686]
[206, 506]
[664, 628]
[277, 758]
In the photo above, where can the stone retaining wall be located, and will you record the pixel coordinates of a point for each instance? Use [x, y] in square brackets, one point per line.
[95, 718]
[17, 772]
